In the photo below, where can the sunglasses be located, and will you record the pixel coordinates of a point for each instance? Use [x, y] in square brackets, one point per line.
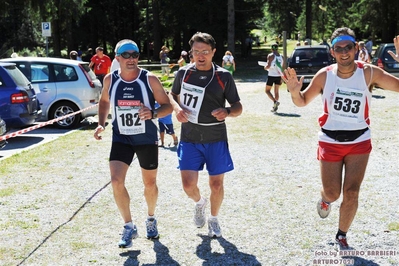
[339, 49]
[127, 55]
[204, 52]
[274, 47]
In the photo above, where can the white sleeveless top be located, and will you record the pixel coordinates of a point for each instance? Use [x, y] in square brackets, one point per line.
[274, 70]
[346, 104]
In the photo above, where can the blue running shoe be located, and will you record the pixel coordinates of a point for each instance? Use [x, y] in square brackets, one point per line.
[152, 231]
[127, 236]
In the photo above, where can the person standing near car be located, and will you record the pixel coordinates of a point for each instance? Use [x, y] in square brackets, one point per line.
[345, 139]
[369, 46]
[363, 55]
[274, 66]
[100, 63]
[131, 92]
[200, 91]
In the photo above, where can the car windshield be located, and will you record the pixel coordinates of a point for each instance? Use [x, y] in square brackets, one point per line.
[17, 75]
[302, 55]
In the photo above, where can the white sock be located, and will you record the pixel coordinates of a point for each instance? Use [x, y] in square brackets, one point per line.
[150, 217]
[201, 201]
[213, 217]
[129, 224]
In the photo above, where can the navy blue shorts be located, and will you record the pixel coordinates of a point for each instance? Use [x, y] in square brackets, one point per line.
[168, 128]
[216, 156]
[146, 154]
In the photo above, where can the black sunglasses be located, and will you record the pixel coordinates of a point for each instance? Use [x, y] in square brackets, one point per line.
[274, 46]
[127, 55]
[345, 49]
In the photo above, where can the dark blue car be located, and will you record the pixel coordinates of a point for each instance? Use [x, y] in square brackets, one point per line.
[19, 106]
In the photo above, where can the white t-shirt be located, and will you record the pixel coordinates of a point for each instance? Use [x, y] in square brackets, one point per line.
[114, 65]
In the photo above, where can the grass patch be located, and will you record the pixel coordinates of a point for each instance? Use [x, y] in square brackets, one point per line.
[81, 245]
[5, 192]
[394, 226]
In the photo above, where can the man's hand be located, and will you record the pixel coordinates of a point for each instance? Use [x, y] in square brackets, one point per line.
[182, 115]
[97, 131]
[290, 78]
[220, 114]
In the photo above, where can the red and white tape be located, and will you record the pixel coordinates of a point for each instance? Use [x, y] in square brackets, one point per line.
[22, 131]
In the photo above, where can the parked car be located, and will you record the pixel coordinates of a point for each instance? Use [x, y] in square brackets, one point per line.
[19, 106]
[3, 131]
[308, 59]
[382, 59]
[63, 86]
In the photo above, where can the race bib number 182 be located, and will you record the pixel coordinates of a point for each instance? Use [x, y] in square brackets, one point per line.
[127, 115]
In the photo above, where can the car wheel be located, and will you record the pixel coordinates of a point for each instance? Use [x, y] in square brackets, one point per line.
[64, 108]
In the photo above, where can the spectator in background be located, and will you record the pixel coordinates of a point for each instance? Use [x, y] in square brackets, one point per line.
[88, 55]
[228, 62]
[369, 46]
[14, 55]
[183, 59]
[163, 56]
[248, 45]
[100, 63]
[363, 55]
[165, 125]
[181, 62]
[73, 55]
[79, 57]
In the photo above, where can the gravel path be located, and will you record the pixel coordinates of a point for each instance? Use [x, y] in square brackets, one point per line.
[58, 209]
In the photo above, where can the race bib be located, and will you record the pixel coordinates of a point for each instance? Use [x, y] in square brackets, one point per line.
[127, 115]
[191, 98]
[347, 105]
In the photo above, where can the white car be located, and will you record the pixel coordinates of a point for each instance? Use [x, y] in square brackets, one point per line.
[63, 86]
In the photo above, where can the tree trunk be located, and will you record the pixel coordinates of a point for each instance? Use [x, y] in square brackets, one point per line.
[156, 30]
[231, 26]
[309, 20]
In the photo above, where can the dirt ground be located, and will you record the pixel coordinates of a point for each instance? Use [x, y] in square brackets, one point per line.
[59, 209]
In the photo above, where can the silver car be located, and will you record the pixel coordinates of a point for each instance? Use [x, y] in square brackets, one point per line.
[63, 86]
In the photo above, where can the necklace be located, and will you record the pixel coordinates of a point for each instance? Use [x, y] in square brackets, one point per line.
[350, 72]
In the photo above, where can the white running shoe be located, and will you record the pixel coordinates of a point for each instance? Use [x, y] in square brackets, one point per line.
[323, 208]
[199, 214]
[214, 228]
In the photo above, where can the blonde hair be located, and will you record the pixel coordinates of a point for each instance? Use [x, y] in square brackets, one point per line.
[228, 53]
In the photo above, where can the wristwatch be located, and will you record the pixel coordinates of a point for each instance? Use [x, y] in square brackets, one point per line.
[154, 114]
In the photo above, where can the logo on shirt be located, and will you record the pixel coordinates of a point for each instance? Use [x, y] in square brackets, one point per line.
[341, 91]
[128, 89]
[128, 103]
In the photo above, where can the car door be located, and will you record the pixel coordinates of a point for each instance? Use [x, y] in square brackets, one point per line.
[41, 75]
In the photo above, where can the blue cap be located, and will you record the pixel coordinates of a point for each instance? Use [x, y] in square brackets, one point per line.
[127, 47]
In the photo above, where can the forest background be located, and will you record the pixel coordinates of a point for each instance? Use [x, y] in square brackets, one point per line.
[83, 24]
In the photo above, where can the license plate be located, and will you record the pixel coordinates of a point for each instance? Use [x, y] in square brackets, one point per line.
[309, 80]
[395, 65]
